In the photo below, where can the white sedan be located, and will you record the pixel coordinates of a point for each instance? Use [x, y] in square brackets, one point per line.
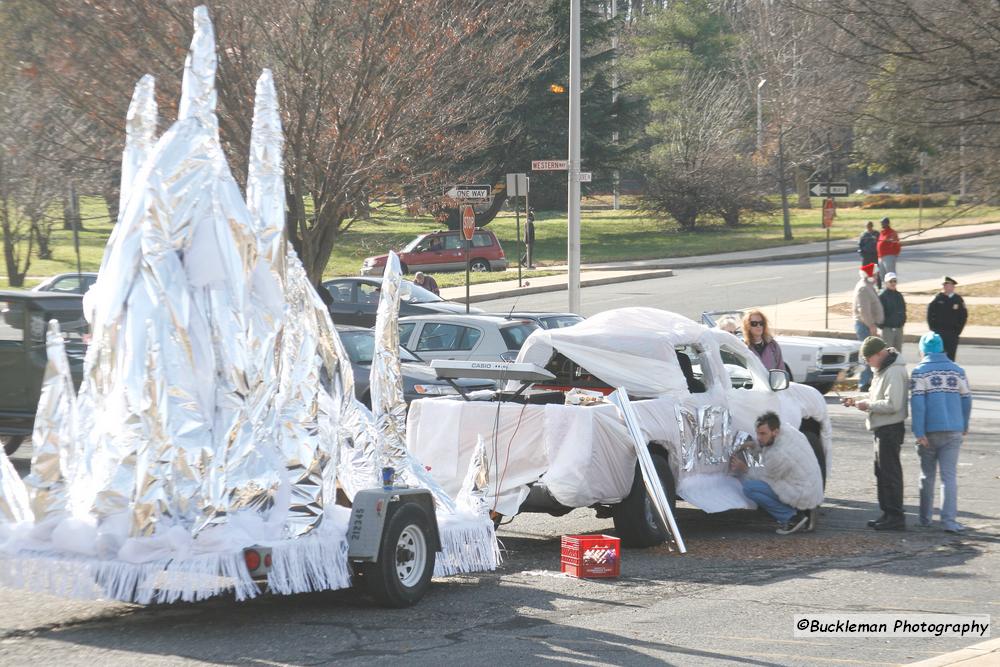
[817, 362]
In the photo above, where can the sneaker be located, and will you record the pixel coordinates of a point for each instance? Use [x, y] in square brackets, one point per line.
[954, 528]
[795, 524]
[872, 522]
[813, 519]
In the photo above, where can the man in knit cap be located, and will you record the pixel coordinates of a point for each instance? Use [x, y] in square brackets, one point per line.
[868, 315]
[886, 406]
[940, 404]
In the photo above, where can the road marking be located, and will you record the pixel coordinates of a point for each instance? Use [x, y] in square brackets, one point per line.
[747, 282]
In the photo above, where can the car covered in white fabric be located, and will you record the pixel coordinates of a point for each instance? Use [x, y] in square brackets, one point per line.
[550, 456]
[813, 360]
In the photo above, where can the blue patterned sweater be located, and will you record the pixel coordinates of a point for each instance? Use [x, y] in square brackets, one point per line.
[940, 399]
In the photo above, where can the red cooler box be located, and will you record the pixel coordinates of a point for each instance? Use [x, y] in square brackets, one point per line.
[591, 556]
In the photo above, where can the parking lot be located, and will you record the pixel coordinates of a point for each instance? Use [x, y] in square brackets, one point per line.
[730, 599]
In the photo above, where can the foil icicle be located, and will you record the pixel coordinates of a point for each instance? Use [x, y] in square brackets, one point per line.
[386, 384]
[54, 434]
[473, 496]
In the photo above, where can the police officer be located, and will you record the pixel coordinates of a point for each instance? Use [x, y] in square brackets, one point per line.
[946, 316]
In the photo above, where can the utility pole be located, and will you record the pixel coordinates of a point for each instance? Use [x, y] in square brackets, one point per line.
[573, 222]
[615, 175]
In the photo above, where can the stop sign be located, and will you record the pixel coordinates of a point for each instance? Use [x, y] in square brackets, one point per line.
[468, 222]
[829, 212]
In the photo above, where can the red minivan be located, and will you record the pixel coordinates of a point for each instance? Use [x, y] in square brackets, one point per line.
[444, 251]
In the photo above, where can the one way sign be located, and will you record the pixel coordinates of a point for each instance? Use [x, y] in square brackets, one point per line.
[829, 189]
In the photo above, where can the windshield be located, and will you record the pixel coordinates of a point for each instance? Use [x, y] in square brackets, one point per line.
[514, 335]
[409, 247]
[360, 347]
[418, 294]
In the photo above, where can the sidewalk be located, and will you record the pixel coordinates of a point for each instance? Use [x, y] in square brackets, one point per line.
[977, 655]
[806, 317]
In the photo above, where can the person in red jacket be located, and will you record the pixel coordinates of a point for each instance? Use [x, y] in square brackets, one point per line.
[888, 248]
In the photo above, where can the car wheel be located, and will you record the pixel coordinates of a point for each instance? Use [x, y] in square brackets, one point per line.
[479, 265]
[406, 562]
[823, 387]
[11, 443]
[636, 521]
[817, 446]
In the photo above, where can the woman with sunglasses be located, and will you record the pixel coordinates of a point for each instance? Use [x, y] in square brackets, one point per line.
[758, 338]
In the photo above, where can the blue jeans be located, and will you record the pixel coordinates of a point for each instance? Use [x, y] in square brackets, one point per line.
[942, 451]
[863, 332]
[765, 497]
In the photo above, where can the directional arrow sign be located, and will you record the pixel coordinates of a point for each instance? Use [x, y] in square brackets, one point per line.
[549, 165]
[830, 189]
[469, 193]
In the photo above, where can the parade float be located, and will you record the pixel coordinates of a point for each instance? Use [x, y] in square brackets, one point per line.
[216, 424]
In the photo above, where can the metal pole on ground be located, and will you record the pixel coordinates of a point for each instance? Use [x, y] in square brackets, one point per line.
[573, 221]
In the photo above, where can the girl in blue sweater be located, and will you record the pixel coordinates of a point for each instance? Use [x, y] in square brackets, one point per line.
[940, 407]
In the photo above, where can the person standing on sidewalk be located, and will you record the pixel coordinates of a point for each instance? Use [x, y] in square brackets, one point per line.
[888, 248]
[947, 315]
[940, 404]
[789, 486]
[894, 313]
[868, 315]
[886, 406]
[868, 245]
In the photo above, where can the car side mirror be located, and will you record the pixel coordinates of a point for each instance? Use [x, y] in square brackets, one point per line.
[778, 379]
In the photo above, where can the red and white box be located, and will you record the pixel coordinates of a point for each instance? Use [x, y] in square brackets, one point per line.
[591, 556]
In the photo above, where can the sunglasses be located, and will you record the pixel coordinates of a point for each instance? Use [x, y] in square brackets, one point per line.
[756, 323]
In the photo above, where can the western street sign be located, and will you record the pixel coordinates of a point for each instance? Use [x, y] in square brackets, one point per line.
[469, 193]
[829, 189]
[549, 165]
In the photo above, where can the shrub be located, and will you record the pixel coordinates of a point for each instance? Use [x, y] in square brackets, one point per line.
[931, 200]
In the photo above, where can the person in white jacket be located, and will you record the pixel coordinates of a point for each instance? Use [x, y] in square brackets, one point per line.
[789, 484]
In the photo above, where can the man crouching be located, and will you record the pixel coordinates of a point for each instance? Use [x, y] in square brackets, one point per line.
[789, 484]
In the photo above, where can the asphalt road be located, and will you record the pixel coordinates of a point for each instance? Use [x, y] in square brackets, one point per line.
[730, 600]
[693, 291]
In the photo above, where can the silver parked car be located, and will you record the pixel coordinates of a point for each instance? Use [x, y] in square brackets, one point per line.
[464, 337]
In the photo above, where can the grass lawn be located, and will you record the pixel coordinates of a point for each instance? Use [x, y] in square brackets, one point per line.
[606, 235]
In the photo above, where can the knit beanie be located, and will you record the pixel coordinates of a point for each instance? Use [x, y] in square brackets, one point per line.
[931, 342]
[872, 346]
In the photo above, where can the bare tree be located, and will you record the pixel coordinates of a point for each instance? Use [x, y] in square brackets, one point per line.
[377, 96]
[702, 164]
[932, 72]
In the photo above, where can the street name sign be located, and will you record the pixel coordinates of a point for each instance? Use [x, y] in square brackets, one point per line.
[469, 193]
[829, 189]
[549, 165]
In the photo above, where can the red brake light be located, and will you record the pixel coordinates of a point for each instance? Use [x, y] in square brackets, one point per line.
[252, 558]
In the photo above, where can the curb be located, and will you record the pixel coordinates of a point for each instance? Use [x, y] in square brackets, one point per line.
[561, 287]
[908, 338]
[694, 262]
[977, 654]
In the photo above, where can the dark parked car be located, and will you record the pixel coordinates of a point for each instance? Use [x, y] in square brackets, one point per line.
[355, 301]
[23, 321]
[75, 283]
[545, 320]
[419, 381]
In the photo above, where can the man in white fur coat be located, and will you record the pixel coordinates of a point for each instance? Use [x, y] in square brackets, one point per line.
[789, 484]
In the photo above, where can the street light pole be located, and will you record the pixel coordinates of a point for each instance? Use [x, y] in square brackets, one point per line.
[573, 222]
[760, 118]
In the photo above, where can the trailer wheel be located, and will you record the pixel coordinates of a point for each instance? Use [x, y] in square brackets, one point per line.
[406, 563]
[635, 517]
[11, 443]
